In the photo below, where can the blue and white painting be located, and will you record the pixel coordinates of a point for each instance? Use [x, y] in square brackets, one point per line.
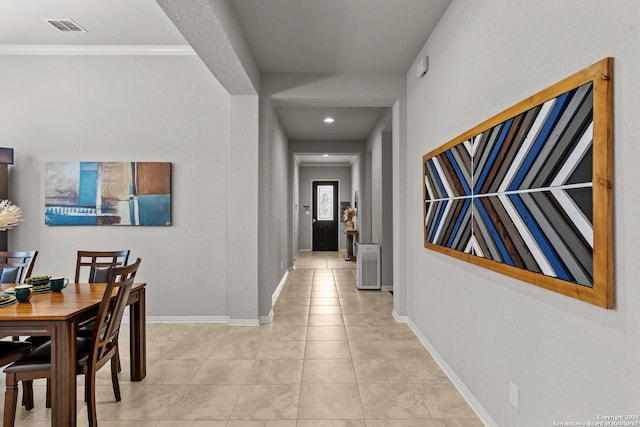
[108, 193]
[520, 192]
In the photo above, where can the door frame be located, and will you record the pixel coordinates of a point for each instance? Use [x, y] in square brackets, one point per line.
[313, 207]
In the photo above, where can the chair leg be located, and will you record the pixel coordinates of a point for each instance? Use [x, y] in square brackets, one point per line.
[48, 398]
[114, 378]
[27, 394]
[90, 395]
[10, 401]
[118, 360]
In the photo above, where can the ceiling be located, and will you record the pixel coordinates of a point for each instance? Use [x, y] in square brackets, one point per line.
[337, 36]
[285, 36]
[308, 123]
[108, 22]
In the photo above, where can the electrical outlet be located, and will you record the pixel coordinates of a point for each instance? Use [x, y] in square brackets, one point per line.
[513, 395]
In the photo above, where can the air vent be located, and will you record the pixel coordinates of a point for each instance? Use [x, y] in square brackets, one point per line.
[66, 25]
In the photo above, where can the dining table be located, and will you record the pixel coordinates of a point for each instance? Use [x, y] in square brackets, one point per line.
[58, 315]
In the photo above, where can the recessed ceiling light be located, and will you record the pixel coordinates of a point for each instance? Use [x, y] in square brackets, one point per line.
[328, 120]
[325, 155]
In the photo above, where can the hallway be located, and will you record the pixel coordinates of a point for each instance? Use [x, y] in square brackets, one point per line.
[333, 356]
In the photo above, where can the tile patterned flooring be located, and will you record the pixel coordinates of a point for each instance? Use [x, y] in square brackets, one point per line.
[332, 357]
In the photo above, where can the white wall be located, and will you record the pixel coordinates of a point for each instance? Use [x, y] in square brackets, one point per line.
[357, 176]
[109, 108]
[374, 146]
[275, 219]
[242, 283]
[386, 236]
[295, 207]
[379, 146]
[572, 361]
[308, 174]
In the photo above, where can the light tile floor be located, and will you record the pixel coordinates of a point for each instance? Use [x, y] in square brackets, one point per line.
[332, 357]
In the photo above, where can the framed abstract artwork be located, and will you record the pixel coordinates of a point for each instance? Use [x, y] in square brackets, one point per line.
[108, 193]
[528, 193]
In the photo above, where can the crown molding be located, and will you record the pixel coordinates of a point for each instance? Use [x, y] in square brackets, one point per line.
[89, 50]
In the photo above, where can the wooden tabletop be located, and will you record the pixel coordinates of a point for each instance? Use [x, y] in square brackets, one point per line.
[72, 301]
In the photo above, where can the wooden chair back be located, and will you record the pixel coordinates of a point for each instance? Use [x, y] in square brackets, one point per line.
[15, 267]
[104, 339]
[98, 264]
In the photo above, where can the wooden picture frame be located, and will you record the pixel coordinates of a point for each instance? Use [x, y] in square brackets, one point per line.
[528, 192]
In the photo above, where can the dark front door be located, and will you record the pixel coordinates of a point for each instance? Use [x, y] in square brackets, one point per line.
[325, 216]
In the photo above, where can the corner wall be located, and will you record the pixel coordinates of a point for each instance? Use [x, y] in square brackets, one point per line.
[242, 212]
[379, 146]
[275, 229]
[571, 360]
[126, 108]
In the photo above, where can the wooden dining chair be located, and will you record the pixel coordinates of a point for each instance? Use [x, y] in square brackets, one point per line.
[91, 267]
[92, 353]
[94, 266]
[15, 267]
[10, 351]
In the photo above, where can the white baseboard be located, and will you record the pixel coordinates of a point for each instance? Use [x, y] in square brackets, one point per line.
[244, 322]
[266, 319]
[399, 319]
[274, 297]
[484, 416]
[279, 288]
[219, 319]
[185, 319]
[199, 319]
